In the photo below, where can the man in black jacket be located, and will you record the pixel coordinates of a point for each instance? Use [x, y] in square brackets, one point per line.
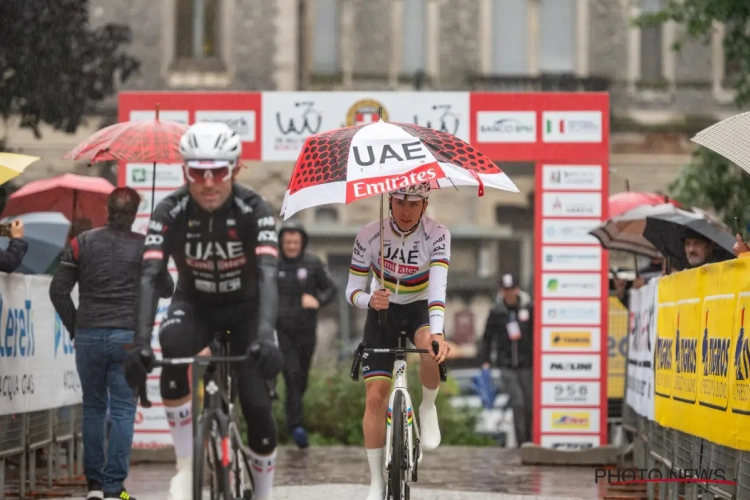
[510, 328]
[106, 264]
[305, 285]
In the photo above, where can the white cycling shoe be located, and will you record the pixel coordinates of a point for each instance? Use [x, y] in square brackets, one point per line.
[429, 429]
[181, 485]
[376, 493]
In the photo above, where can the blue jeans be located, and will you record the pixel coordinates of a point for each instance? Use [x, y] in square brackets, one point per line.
[100, 353]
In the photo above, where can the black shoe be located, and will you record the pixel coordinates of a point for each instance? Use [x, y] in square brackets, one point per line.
[95, 490]
[120, 495]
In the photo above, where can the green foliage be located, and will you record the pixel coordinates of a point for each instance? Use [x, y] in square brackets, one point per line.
[699, 18]
[710, 181]
[54, 66]
[334, 407]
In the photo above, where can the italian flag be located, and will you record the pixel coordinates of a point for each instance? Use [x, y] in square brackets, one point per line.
[551, 126]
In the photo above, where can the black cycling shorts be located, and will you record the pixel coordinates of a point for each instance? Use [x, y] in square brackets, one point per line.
[400, 317]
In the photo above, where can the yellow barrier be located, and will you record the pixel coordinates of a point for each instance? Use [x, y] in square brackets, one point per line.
[702, 358]
[618, 345]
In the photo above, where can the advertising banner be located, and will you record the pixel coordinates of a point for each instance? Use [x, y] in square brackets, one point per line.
[617, 348]
[702, 354]
[641, 339]
[291, 117]
[37, 358]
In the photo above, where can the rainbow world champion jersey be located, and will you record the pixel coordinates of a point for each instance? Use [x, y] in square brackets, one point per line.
[416, 266]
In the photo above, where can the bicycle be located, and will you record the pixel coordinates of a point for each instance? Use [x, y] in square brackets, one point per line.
[216, 428]
[403, 452]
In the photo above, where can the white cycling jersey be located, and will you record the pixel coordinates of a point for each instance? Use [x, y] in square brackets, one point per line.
[416, 266]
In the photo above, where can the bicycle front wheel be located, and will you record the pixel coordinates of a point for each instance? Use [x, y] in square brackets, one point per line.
[399, 461]
[207, 453]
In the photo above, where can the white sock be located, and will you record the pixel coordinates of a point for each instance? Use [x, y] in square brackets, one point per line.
[180, 420]
[429, 396]
[263, 467]
[375, 458]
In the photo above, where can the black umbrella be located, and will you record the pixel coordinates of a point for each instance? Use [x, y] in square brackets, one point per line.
[668, 232]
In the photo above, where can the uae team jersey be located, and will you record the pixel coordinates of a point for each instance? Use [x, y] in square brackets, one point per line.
[416, 266]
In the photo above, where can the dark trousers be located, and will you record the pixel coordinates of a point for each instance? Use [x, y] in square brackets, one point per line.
[100, 353]
[519, 383]
[298, 347]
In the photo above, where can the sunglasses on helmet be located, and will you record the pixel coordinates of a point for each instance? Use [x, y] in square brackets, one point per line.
[201, 171]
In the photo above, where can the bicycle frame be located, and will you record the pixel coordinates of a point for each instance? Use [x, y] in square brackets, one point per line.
[412, 436]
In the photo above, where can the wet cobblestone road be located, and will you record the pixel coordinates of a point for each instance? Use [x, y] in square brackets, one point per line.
[448, 473]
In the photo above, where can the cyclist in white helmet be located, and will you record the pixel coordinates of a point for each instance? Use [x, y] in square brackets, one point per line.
[417, 254]
[222, 238]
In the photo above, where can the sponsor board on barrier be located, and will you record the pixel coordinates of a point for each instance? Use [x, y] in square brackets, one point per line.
[571, 366]
[572, 178]
[571, 339]
[641, 339]
[568, 231]
[577, 258]
[571, 312]
[37, 357]
[570, 393]
[569, 285]
[571, 204]
[617, 348]
[570, 420]
[289, 118]
[570, 443]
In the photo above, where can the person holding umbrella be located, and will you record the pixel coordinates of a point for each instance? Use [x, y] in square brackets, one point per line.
[415, 269]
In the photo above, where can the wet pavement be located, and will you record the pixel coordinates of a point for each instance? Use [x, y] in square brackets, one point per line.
[338, 472]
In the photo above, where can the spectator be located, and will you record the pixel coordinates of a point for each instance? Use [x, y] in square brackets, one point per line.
[698, 249]
[510, 328]
[305, 285]
[11, 258]
[106, 264]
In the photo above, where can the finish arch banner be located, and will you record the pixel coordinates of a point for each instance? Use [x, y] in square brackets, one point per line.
[564, 135]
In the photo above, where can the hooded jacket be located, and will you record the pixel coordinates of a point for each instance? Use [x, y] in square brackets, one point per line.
[305, 274]
[496, 334]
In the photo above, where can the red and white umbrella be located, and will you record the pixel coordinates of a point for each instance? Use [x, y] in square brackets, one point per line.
[348, 164]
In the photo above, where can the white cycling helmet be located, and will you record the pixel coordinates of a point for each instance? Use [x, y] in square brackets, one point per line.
[412, 193]
[210, 144]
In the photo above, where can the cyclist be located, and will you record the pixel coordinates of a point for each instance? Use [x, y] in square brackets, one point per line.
[417, 255]
[223, 240]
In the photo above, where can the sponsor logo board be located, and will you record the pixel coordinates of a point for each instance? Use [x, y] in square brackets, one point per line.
[579, 258]
[506, 126]
[572, 126]
[572, 177]
[569, 285]
[569, 443]
[571, 366]
[289, 118]
[569, 231]
[569, 420]
[571, 312]
[571, 204]
[241, 121]
[178, 116]
[141, 175]
[567, 339]
[571, 393]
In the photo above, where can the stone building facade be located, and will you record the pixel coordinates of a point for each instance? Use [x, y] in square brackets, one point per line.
[659, 96]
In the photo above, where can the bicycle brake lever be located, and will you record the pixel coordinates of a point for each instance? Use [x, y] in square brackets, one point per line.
[357, 361]
[441, 366]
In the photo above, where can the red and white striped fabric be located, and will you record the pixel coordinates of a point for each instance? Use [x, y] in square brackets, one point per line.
[352, 163]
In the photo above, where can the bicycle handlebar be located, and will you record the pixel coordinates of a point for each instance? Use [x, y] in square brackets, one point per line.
[253, 351]
[361, 349]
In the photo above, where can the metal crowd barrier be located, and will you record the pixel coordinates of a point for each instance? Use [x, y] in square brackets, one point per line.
[677, 454]
[54, 436]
